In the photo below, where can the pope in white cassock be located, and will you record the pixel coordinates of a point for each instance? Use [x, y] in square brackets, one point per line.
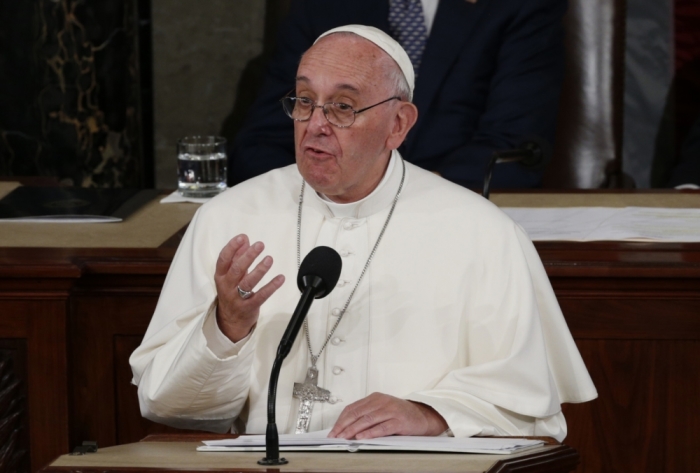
[443, 319]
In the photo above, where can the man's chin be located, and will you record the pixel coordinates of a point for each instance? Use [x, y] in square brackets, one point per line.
[319, 176]
[322, 186]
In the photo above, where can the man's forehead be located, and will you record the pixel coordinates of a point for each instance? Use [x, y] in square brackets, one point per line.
[349, 58]
[346, 86]
[347, 47]
[344, 39]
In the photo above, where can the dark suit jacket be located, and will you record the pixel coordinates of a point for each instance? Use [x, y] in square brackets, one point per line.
[490, 75]
[687, 171]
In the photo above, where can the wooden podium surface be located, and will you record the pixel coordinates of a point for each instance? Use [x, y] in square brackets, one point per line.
[181, 456]
[75, 301]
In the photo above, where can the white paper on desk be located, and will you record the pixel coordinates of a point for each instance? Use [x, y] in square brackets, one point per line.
[64, 219]
[176, 197]
[604, 223]
[318, 441]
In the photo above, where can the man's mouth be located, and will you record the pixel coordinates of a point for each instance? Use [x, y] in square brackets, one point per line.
[317, 152]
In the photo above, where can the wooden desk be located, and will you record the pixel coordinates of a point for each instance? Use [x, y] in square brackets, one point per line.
[181, 456]
[71, 316]
[70, 295]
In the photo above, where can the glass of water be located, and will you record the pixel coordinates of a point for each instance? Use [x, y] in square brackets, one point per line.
[201, 166]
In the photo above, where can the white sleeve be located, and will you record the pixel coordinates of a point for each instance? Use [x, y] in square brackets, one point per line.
[218, 343]
[181, 380]
[467, 415]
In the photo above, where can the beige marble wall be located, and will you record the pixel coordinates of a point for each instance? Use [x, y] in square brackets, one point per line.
[199, 52]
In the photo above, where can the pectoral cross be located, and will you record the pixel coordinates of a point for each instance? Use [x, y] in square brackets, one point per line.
[309, 392]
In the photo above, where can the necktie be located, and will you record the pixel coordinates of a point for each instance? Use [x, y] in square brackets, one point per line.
[407, 26]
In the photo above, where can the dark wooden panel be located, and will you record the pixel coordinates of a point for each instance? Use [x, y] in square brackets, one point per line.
[14, 423]
[605, 285]
[47, 381]
[619, 256]
[40, 325]
[13, 323]
[95, 320]
[632, 317]
[682, 427]
[645, 419]
[106, 327]
[614, 432]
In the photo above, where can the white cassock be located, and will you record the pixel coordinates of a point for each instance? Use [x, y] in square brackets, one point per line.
[455, 311]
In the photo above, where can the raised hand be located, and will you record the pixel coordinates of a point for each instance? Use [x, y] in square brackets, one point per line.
[237, 311]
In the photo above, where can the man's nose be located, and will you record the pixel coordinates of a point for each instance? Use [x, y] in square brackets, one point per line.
[318, 122]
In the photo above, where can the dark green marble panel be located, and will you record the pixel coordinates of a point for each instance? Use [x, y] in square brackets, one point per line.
[71, 103]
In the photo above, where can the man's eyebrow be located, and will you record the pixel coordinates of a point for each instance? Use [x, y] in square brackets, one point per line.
[349, 87]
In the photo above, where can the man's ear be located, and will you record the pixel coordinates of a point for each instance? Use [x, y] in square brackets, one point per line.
[405, 118]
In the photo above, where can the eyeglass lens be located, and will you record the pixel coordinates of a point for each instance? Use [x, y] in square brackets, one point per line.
[300, 108]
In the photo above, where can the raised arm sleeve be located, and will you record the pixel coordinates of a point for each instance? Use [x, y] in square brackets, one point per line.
[181, 380]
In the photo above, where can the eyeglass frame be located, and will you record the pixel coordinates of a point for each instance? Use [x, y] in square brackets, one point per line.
[325, 114]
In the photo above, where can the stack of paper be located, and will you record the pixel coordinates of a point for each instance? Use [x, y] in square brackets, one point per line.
[605, 223]
[318, 441]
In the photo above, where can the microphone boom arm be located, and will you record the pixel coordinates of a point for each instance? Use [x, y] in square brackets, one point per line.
[318, 275]
[272, 449]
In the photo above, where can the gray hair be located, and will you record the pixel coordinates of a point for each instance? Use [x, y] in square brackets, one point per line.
[400, 84]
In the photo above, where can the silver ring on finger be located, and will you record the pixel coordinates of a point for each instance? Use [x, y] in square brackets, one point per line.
[243, 293]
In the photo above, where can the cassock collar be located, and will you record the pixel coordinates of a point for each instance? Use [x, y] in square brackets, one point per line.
[380, 198]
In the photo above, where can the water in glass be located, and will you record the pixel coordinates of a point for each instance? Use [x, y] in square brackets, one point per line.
[201, 166]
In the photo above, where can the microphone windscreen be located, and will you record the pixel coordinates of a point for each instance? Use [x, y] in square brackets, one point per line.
[324, 263]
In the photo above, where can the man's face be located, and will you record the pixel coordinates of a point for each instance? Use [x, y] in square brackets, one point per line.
[345, 164]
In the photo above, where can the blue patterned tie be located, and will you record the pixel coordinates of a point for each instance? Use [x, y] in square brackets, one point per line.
[407, 26]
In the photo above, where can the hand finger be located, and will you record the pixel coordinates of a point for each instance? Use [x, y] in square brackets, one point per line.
[239, 266]
[242, 249]
[351, 414]
[223, 263]
[252, 304]
[365, 422]
[256, 275]
[267, 290]
[389, 427]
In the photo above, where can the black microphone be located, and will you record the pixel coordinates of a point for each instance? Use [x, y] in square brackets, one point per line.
[318, 275]
[533, 153]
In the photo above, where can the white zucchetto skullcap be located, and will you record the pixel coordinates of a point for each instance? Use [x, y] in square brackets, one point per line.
[384, 41]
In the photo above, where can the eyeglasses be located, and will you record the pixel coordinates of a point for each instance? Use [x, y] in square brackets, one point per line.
[341, 115]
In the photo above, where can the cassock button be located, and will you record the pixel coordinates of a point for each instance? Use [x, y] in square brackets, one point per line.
[336, 341]
[332, 400]
[344, 253]
[335, 312]
[341, 283]
[349, 225]
[337, 370]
